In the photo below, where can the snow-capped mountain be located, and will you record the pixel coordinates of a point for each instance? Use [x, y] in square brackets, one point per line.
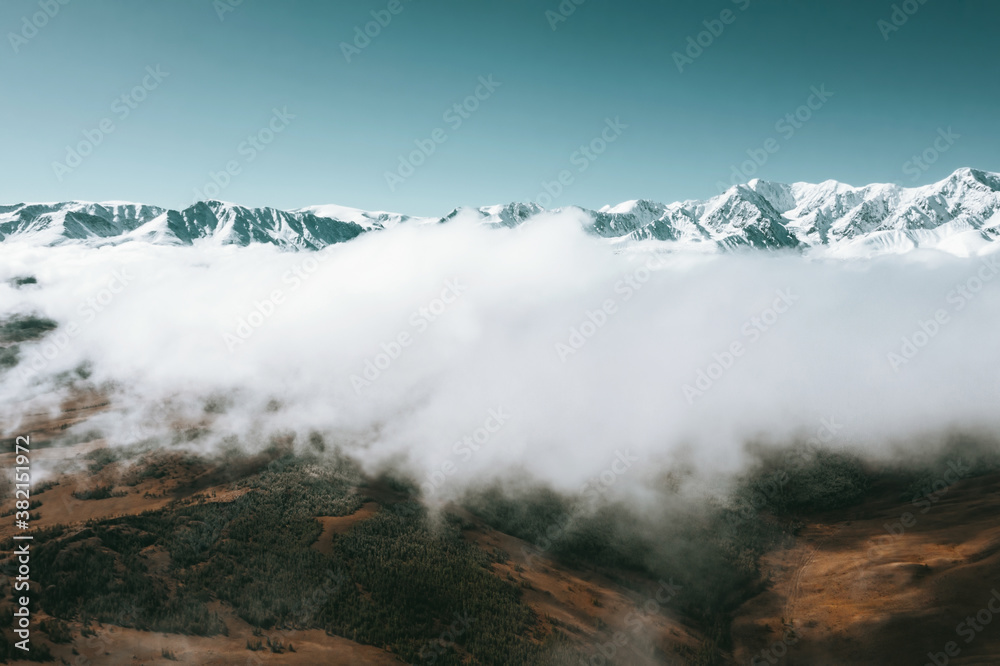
[60, 222]
[236, 225]
[960, 214]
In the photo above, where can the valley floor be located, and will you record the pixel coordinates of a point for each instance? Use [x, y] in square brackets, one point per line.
[888, 581]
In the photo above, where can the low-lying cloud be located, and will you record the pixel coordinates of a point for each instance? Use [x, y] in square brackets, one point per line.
[457, 352]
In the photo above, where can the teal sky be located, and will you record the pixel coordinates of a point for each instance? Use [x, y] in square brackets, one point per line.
[685, 131]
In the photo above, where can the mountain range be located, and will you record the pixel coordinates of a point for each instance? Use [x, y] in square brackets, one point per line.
[960, 215]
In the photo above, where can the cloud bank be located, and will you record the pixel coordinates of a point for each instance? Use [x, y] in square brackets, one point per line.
[455, 352]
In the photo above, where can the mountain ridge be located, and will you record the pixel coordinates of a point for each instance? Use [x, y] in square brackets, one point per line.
[959, 214]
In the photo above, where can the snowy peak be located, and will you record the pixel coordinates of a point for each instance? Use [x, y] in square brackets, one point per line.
[237, 225]
[509, 216]
[367, 220]
[50, 223]
[960, 214]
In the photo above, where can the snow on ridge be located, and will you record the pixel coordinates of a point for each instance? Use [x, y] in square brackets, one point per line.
[958, 214]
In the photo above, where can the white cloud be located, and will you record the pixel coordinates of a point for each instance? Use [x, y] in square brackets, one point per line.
[161, 338]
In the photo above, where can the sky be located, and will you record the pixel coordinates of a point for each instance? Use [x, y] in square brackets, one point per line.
[289, 104]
